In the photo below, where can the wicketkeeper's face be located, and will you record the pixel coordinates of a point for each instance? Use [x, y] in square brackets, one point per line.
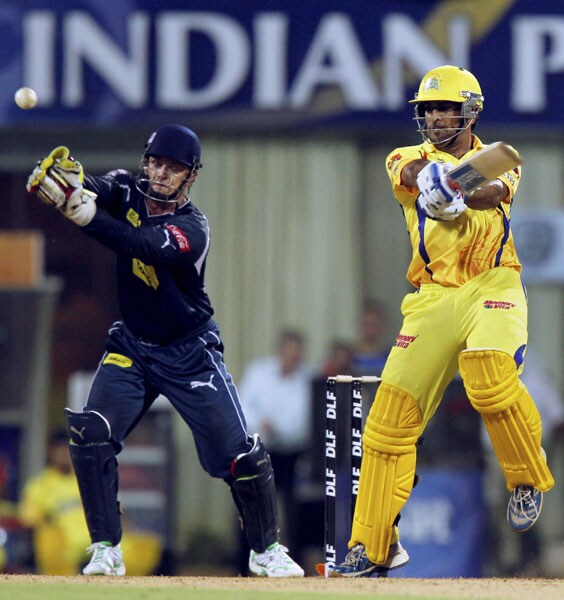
[166, 176]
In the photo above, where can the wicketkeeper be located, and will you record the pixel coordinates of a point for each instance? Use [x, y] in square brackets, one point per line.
[167, 343]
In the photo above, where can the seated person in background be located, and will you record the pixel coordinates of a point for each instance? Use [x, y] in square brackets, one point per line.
[275, 393]
[10, 527]
[372, 347]
[339, 360]
[51, 507]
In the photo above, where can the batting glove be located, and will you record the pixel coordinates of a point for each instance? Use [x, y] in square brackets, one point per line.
[437, 199]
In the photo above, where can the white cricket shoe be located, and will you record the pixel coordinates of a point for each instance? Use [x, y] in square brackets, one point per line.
[106, 560]
[274, 562]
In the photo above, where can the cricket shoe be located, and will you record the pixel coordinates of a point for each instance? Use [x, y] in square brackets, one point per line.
[106, 560]
[524, 508]
[274, 562]
[357, 563]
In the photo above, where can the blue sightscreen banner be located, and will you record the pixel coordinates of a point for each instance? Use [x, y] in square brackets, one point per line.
[442, 525]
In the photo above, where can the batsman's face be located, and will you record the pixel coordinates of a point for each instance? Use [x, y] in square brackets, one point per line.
[166, 176]
[442, 120]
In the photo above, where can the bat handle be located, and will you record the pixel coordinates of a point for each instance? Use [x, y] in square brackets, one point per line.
[453, 185]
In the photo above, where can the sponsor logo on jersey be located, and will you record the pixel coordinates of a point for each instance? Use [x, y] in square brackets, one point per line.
[179, 236]
[146, 273]
[393, 159]
[404, 341]
[499, 304]
[117, 359]
[133, 218]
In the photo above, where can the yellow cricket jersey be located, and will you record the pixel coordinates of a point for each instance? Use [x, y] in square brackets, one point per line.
[451, 253]
[52, 497]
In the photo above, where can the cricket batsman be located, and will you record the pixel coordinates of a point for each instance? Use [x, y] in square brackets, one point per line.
[468, 313]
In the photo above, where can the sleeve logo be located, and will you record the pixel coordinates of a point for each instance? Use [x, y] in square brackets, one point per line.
[393, 159]
[180, 237]
[498, 304]
[404, 341]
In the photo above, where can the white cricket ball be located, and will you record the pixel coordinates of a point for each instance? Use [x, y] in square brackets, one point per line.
[25, 98]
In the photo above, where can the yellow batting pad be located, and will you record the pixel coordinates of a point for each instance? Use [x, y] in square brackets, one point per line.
[388, 469]
[117, 359]
[509, 414]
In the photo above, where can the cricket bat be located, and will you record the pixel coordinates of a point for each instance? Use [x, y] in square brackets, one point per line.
[485, 165]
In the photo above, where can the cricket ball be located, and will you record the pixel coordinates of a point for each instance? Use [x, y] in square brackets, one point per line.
[25, 98]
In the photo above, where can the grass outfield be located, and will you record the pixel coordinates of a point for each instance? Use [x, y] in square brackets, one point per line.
[30, 587]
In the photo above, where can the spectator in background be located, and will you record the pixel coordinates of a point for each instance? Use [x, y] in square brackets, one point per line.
[10, 526]
[275, 393]
[372, 347]
[338, 360]
[51, 507]
[8, 508]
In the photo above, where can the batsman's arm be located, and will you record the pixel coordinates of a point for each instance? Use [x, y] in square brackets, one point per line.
[411, 170]
[489, 195]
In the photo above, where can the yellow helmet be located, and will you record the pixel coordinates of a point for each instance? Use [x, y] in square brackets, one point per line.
[454, 84]
[451, 84]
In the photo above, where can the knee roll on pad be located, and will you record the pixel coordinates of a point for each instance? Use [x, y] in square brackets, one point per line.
[254, 493]
[88, 427]
[388, 469]
[95, 466]
[509, 414]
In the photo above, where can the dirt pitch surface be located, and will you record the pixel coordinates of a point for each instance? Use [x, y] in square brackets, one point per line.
[494, 588]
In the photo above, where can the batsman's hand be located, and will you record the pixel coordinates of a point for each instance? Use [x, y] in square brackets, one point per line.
[437, 198]
[56, 177]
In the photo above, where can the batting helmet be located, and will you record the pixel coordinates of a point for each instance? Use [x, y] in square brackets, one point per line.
[176, 142]
[450, 84]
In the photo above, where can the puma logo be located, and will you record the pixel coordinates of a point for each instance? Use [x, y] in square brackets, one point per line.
[197, 384]
[168, 241]
[80, 433]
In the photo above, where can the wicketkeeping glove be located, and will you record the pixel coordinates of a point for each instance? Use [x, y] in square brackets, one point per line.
[56, 177]
[80, 208]
[437, 199]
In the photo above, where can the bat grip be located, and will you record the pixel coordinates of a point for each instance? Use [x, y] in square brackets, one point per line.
[453, 185]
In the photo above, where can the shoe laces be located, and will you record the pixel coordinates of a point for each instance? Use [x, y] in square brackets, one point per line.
[524, 499]
[276, 554]
[356, 554]
[99, 550]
